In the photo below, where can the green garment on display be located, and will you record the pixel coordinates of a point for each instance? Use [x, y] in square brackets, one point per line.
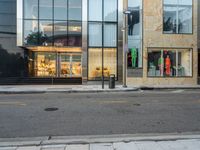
[134, 56]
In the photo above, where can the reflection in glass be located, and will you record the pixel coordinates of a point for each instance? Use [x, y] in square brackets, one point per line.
[110, 35]
[134, 59]
[74, 34]
[45, 33]
[95, 34]
[75, 10]
[44, 64]
[60, 10]
[46, 9]
[60, 33]
[177, 16]
[31, 9]
[110, 10]
[169, 63]
[30, 32]
[95, 10]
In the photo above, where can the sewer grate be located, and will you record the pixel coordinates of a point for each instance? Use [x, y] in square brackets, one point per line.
[51, 109]
[137, 104]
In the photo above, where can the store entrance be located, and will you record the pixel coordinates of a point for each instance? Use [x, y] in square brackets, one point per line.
[70, 65]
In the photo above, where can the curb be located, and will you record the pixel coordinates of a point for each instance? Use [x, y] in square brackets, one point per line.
[168, 88]
[59, 140]
[69, 91]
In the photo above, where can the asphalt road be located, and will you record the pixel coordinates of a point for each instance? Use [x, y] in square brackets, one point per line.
[99, 113]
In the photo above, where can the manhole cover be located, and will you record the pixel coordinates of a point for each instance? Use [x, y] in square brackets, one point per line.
[137, 104]
[51, 109]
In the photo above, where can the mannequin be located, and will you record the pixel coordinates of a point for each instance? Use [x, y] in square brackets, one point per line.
[168, 66]
[134, 56]
[160, 64]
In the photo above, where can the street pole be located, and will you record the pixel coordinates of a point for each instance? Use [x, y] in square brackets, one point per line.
[125, 48]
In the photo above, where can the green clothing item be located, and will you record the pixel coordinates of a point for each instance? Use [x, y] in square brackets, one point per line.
[134, 56]
[160, 61]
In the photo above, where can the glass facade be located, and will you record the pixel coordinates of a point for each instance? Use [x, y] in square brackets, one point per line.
[102, 38]
[52, 64]
[52, 23]
[177, 16]
[135, 34]
[170, 63]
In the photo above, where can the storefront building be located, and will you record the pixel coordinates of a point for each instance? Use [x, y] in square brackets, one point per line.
[162, 42]
[83, 39]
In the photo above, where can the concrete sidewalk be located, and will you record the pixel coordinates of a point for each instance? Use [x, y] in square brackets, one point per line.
[17, 89]
[29, 89]
[112, 142]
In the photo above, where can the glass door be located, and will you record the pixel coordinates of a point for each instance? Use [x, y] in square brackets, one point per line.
[70, 65]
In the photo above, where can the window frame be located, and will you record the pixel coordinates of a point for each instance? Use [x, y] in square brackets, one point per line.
[170, 48]
[163, 32]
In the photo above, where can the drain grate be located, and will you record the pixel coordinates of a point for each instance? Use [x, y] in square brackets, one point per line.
[51, 109]
[137, 104]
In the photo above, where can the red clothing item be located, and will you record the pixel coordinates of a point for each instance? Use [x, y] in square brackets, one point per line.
[168, 66]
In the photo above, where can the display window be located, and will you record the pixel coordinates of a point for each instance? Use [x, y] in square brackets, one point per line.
[95, 63]
[46, 64]
[135, 34]
[170, 63]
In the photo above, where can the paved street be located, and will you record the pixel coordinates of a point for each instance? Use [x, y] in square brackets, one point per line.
[99, 113]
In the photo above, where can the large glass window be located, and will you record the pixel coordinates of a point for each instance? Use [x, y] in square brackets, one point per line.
[169, 62]
[30, 32]
[44, 64]
[45, 33]
[60, 33]
[177, 16]
[75, 9]
[110, 35]
[60, 9]
[46, 9]
[31, 9]
[95, 10]
[95, 62]
[95, 34]
[59, 22]
[74, 33]
[135, 34]
[110, 10]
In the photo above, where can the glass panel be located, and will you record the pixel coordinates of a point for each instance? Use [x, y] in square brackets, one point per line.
[170, 17]
[95, 10]
[76, 65]
[46, 9]
[75, 9]
[45, 33]
[95, 34]
[134, 58]
[65, 65]
[60, 9]
[74, 34]
[95, 63]
[30, 32]
[169, 63]
[177, 16]
[31, 9]
[110, 35]
[110, 61]
[71, 65]
[185, 16]
[110, 13]
[44, 64]
[60, 33]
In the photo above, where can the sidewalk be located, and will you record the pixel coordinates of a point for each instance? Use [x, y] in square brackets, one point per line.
[30, 89]
[112, 142]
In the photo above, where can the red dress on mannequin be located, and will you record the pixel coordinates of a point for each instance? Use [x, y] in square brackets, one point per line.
[168, 66]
